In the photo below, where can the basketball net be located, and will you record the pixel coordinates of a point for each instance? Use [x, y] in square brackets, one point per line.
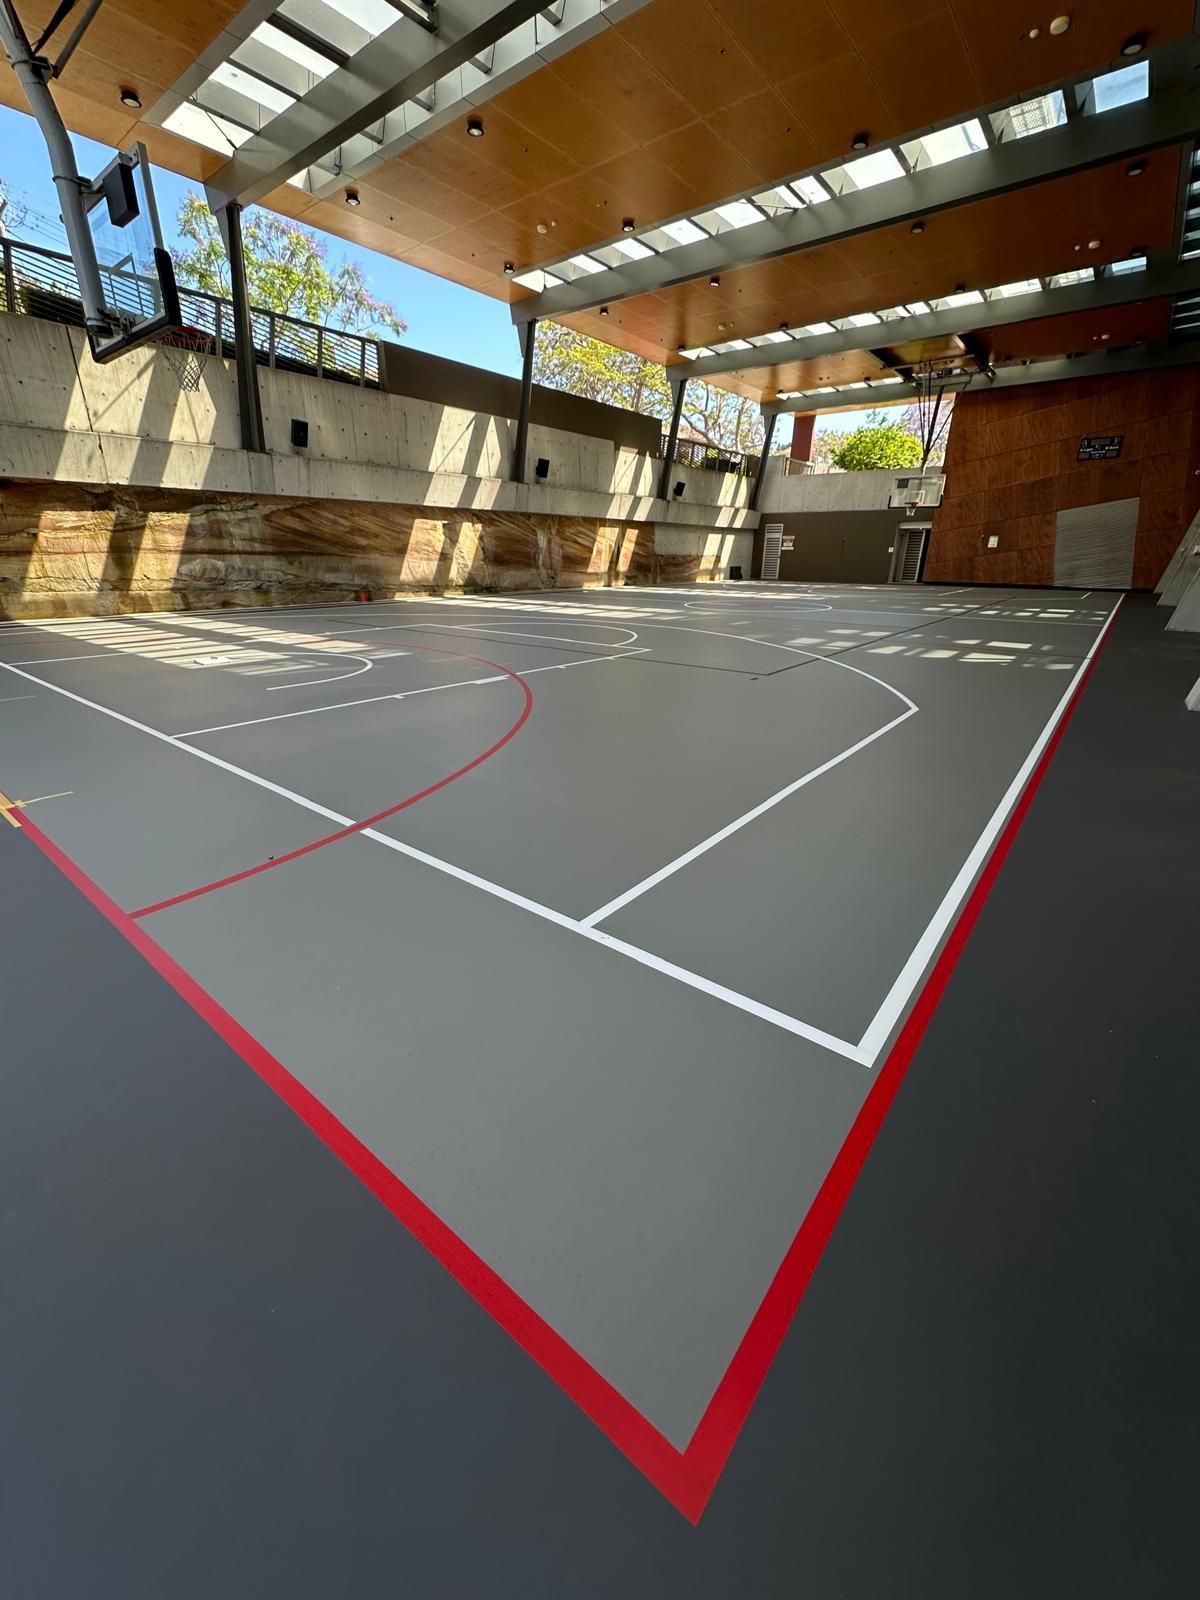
[185, 352]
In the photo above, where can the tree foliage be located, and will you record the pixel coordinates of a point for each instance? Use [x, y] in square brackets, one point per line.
[877, 446]
[578, 364]
[287, 269]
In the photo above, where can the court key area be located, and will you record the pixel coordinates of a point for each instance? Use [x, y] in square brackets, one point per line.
[592, 929]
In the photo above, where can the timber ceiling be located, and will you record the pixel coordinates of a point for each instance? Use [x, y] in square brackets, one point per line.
[682, 104]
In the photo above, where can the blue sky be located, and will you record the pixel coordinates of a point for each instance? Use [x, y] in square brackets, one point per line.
[442, 317]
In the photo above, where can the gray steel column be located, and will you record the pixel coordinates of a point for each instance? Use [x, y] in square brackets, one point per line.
[678, 390]
[249, 400]
[768, 416]
[527, 333]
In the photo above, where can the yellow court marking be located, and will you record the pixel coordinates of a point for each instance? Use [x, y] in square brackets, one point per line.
[8, 807]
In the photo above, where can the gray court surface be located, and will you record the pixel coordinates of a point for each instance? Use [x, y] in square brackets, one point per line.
[610, 1001]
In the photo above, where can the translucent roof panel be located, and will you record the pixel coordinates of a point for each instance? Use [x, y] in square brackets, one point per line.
[810, 191]
[819, 327]
[1063, 280]
[293, 50]
[778, 336]
[191, 121]
[1120, 88]
[736, 214]
[633, 248]
[862, 319]
[1129, 264]
[881, 166]
[586, 265]
[537, 279]
[1006, 291]
[700, 350]
[265, 95]
[775, 202]
[1031, 116]
[945, 144]
[345, 24]
[968, 297]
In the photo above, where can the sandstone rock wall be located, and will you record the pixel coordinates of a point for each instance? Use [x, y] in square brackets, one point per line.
[75, 550]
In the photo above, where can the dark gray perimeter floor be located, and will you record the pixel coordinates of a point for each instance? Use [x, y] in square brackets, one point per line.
[227, 1371]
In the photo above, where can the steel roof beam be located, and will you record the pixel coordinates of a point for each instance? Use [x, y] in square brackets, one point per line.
[1117, 289]
[1139, 358]
[401, 86]
[1169, 116]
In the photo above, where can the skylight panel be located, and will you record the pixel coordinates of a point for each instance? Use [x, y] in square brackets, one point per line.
[819, 327]
[732, 344]
[585, 265]
[811, 191]
[1120, 88]
[775, 202]
[777, 336]
[193, 122]
[917, 308]
[968, 297]
[862, 319]
[345, 24]
[945, 144]
[244, 83]
[684, 231]
[633, 248]
[700, 350]
[881, 166]
[1031, 116]
[537, 279]
[1006, 291]
[739, 213]
[293, 50]
[1136, 263]
[1063, 280]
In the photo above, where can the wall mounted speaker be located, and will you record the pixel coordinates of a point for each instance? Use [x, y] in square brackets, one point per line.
[300, 433]
[679, 488]
[542, 470]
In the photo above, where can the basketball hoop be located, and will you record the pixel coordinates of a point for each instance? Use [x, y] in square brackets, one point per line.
[910, 507]
[185, 350]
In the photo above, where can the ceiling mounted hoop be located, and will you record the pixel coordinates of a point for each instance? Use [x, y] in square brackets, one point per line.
[185, 350]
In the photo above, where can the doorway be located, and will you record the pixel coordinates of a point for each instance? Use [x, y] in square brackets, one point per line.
[908, 556]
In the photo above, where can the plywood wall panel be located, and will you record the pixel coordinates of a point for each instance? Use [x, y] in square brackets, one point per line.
[1012, 463]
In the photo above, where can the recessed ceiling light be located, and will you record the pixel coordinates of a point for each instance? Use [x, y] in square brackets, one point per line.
[509, 268]
[1094, 244]
[714, 282]
[603, 311]
[1106, 336]
[131, 98]
[1060, 25]
[475, 127]
[1134, 45]
[627, 225]
[783, 327]
[1135, 169]
[721, 326]
[352, 197]
[860, 141]
[917, 227]
[543, 227]
[1035, 33]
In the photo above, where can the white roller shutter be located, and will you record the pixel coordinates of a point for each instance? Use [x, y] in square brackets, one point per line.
[1093, 545]
[772, 545]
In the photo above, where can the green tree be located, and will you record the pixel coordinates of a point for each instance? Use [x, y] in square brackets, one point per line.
[578, 364]
[877, 445]
[287, 269]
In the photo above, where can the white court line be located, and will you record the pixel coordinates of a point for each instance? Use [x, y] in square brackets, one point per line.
[644, 958]
[879, 1029]
[514, 633]
[312, 683]
[743, 821]
[9, 698]
[404, 694]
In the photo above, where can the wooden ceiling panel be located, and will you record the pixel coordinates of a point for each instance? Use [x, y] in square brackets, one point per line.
[1007, 61]
[609, 75]
[924, 72]
[549, 107]
[687, 42]
[781, 40]
[697, 150]
[767, 134]
[837, 99]
[1083, 331]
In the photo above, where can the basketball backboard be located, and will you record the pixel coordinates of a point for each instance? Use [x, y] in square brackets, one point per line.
[136, 276]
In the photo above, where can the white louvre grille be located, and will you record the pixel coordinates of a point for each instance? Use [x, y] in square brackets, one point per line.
[772, 545]
[1093, 545]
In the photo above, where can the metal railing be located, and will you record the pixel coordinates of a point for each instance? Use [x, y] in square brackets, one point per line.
[37, 282]
[711, 458]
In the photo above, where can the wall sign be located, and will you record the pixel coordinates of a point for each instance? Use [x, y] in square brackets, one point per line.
[789, 541]
[1100, 447]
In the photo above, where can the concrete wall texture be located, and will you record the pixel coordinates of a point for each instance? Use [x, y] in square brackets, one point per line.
[1011, 466]
[119, 489]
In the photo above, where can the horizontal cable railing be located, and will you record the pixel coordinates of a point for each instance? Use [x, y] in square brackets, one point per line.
[713, 458]
[37, 282]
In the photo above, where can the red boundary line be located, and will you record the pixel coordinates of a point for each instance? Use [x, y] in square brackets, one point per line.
[686, 1478]
[388, 811]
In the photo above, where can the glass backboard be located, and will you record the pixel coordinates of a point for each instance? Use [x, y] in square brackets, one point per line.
[136, 276]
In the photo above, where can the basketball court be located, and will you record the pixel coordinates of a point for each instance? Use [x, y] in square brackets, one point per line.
[593, 931]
